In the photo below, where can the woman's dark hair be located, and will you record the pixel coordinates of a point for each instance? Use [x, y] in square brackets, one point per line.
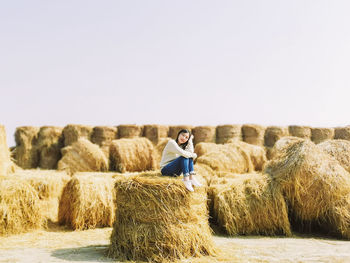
[183, 146]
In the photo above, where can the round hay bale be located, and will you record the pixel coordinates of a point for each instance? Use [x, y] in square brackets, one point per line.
[273, 134]
[88, 201]
[132, 155]
[49, 145]
[203, 148]
[20, 209]
[6, 165]
[73, 132]
[158, 220]
[204, 134]
[319, 135]
[49, 185]
[174, 130]
[300, 131]
[253, 134]
[316, 187]
[342, 133]
[155, 133]
[83, 156]
[129, 131]
[281, 145]
[228, 158]
[26, 154]
[103, 134]
[248, 205]
[339, 149]
[227, 132]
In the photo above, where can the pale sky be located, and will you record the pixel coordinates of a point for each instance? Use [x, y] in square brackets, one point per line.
[174, 62]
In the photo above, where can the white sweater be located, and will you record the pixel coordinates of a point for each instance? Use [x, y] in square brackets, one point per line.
[172, 151]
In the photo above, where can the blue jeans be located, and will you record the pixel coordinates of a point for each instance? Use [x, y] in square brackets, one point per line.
[178, 166]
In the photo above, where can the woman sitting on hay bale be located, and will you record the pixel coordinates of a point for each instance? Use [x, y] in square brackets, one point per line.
[177, 158]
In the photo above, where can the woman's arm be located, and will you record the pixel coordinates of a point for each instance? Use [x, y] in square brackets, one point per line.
[189, 146]
[174, 147]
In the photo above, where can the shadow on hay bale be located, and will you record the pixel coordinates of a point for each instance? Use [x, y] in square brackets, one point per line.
[319, 135]
[155, 133]
[273, 134]
[158, 220]
[247, 204]
[26, 154]
[316, 187]
[253, 134]
[204, 134]
[303, 132]
[129, 131]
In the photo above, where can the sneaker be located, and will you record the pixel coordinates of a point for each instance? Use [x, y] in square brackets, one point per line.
[195, 182]
[188, 185]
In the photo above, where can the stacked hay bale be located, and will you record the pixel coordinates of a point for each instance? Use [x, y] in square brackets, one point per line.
[129, 131]
[88, 201]
[319, 135]
[342, 133]
[102, 135]
[280, 146]
[26, 154]
[228, 157]
[303, 132]
[158, 220]
[253, 134]
[83, 156]
[204, 134]
[247, 205]
[339, 149]
[48, 185]
[49, 144]
[155, 133]
[132, 155]
[6, 165]
[73, 132]
[174, 130]
[228, 132]
[273, 134]
[20, 209]
[315, 186]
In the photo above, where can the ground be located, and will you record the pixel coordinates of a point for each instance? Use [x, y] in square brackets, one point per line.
[58, 244]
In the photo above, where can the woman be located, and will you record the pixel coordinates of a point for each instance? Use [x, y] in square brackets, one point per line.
[178, 158]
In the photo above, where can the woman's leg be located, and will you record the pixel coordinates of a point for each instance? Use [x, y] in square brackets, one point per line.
[173, 168]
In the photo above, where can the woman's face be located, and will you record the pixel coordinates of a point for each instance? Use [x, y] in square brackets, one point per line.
[183, 137]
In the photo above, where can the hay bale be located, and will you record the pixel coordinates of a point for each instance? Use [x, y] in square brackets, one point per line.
[6, 164]
[155, 133]
[319, 135]
[132, 155]
[342, 133]
[273, 134]
[253, 134]
[83, 156]
[281, 145]
[204, 134]
[26, 154]
[158, 150]
[102, 135]
[303, 132]
[174, 130]
[158, 220]
[228, 132]
[49, 185]
[88, 201]
[316, 187]
[73, 132]
[20, 209]
[129, 131]
[339, 149]
[203, 148]
[248, 205]
[229, 158]
[49, 145]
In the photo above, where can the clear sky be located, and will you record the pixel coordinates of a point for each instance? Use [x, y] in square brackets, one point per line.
[192, 62]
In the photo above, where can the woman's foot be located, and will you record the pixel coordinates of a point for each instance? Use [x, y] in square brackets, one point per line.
[195, 182]
[188, 185]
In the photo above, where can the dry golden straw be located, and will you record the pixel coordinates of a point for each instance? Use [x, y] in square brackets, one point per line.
[281, 145]
[253, 134]
[342, 133]
[300, 131]
[155, 132]
[104, 134]
[158, 150]
[83, 156]
[249, 205]
[132, 155]
[49, 145]
[73, 132]
[26, 154]
[227, 132]
[319, 135]
[204, 134]
[88, 201]
[20, 209]
[129, 131]
[273, 134]
[339, 149]
[316, 187]
[158, 220]
[6, 164]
